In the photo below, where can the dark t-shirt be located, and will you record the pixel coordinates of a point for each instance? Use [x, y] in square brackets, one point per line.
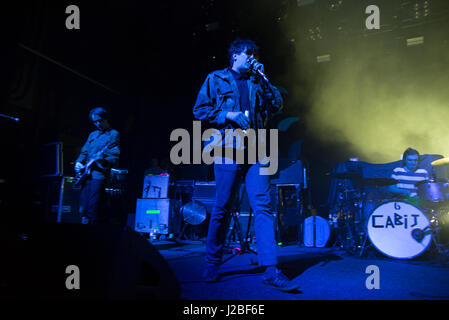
[242, 85]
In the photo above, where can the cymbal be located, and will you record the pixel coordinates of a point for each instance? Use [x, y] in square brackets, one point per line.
[377, 182]
[346, 175]
[194, 212]
[440, 162]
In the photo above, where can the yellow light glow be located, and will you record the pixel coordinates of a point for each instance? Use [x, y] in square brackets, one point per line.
[378, 100]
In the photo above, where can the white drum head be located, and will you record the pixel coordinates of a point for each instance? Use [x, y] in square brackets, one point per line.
[390, 228]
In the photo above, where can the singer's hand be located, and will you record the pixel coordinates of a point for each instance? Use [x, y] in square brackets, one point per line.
[79, 166]
[239, 118]
[255, 65]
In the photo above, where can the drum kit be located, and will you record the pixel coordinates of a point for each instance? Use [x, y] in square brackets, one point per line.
[397, 228]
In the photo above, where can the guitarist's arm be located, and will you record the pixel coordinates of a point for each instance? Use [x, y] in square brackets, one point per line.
[83, 157]
[111, 155]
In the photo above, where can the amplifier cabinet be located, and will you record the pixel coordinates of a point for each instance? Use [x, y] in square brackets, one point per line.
[155, 186]
[156, 216]
[205, 193]
[288, 207]
[204, 190]
[62, 200]
[289, 172]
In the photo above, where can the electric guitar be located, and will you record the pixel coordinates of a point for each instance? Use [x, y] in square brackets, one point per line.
[84, 173]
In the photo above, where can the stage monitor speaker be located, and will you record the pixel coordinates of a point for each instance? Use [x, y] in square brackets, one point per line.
[75, 261]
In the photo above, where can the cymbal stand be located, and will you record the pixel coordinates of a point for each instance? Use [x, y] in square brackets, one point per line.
[345, 214]
[350, 226]
[442, 249]
[364, 233]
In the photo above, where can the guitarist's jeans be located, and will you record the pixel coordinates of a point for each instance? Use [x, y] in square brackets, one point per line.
[91, 201]
[228, 178]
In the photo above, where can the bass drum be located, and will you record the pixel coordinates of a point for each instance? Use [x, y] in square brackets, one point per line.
[399, 230]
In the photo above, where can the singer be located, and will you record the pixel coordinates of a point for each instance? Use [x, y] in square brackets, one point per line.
[224, 101]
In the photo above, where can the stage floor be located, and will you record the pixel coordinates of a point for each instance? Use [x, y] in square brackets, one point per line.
[323, 274]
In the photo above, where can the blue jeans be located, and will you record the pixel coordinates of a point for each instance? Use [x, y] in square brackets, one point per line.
[92, 201]
[228, 178]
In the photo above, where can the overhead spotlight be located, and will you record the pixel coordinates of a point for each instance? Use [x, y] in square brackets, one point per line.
[315, 33]
[334, 5]
[415, 41]
[302, 3]
[323, 58]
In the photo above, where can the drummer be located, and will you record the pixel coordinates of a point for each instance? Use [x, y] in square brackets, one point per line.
[408, 175]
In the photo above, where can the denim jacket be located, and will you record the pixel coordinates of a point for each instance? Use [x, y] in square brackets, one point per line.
[219, 95]
[96, 141]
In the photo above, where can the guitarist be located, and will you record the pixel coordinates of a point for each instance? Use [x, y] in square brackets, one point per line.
[95, 166]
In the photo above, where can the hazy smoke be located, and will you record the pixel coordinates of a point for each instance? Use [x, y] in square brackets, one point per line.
[379, 95]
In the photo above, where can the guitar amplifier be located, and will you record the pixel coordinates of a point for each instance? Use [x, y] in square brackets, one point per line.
[287, 204]
[290, 171]
[205, 193]
[62, 202]
[155, 186]
[156, 216]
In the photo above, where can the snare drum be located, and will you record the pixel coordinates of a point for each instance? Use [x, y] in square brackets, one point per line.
[399, 230]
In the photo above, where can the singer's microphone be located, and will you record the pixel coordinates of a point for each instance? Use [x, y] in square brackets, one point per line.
[257, 69]
[262, 75]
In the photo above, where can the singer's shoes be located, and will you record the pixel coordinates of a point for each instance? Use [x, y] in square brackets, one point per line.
[278, 280]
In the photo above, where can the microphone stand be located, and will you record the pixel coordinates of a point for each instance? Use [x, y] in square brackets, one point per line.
[9, 117]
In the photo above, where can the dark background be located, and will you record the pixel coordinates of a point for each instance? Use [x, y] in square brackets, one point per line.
[145, 61]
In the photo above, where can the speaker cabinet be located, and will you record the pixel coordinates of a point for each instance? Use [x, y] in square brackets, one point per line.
[155, 186]
[287, 203]
[61, 200]
[157, 216]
